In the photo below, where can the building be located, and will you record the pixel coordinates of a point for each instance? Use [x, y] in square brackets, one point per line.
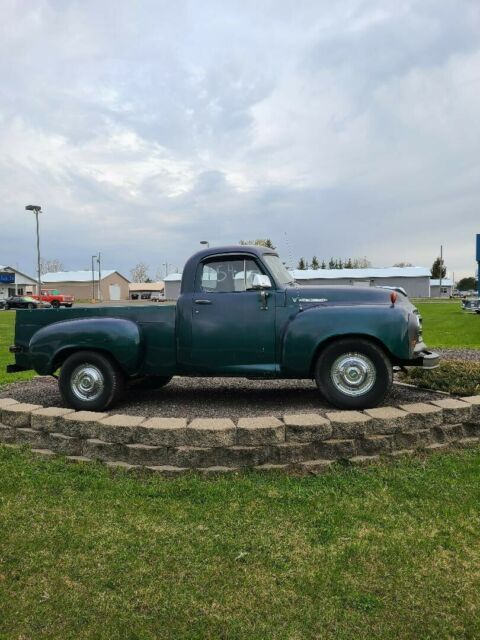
[113, 286]
[144, 290]
[444, 291]
[415, 280]
[173, 283]
[14, 282]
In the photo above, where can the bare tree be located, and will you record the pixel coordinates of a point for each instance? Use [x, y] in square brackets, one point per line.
[403, 264]
[139, 272]
[51, 266]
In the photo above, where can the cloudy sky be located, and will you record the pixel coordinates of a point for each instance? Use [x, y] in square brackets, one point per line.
[348, 128]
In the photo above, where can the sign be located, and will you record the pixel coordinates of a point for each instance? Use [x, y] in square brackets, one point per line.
[478, 247]
[7, 278]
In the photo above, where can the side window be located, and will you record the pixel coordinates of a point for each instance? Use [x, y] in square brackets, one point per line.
[228, 276]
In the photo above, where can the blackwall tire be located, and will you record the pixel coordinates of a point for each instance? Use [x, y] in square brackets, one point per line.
[90, 381]
[353, 373]
[55, 304]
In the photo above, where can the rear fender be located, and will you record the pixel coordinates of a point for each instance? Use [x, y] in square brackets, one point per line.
[118, 337]
[309, 330]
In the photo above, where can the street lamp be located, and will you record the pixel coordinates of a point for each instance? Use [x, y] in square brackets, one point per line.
[36, 210]
[205, 242]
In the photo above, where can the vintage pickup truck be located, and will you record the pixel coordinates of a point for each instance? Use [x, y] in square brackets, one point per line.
[239, 313]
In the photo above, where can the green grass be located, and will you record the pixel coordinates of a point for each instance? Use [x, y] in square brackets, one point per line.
[446, 325]
[386, 552]
[7, 322]
[453, 376]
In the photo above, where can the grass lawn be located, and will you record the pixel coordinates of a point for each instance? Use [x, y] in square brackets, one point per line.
[446, 325]
[385, 552]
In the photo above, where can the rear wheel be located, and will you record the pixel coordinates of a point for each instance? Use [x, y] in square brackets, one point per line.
[55, 304]
[90, 381]
[30, 305]
[353, 373]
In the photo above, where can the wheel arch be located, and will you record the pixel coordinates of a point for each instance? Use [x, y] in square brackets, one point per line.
[61, 355]
[348, 336]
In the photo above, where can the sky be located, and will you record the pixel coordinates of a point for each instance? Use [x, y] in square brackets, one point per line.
[347, 128]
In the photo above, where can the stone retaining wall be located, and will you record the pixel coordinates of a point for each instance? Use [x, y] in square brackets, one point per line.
[304, 443]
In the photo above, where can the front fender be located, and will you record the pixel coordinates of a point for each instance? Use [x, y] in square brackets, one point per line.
[119, 337]
[308, 329]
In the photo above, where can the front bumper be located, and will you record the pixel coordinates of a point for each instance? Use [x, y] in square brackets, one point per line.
[423, 357]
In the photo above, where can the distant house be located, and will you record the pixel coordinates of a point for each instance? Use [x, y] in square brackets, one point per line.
[415, 280]
[14, 282]
[139, 290]
[113, 286]
[444, 291]
[173, 283]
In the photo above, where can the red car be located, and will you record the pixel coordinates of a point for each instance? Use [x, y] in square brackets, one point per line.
[54, 298]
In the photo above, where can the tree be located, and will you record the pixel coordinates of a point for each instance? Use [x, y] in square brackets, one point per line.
[361, 263]
[259, 242]
[439, 270]
[403, 264]
[139, 272]
[323, 266]
[331, 264]
[340, 264]
[51, 266]
[467, 284]
[315, 264]
[301, 264]
[348, 264]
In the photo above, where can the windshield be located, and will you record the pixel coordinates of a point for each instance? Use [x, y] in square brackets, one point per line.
[278, 269]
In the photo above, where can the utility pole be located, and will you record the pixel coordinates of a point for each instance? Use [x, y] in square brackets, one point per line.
[37, 209]
[441, 268]
[93, 278]
[99, 277]
[166, 269]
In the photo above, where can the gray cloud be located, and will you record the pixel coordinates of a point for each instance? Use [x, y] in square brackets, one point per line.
[344, 129]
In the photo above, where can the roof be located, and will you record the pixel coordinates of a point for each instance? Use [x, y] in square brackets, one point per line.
[77, 276]
[446, 282]
[361, 274]
[173, 277]
[146, 286]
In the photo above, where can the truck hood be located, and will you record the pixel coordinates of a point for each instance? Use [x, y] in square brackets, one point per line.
[343, 295]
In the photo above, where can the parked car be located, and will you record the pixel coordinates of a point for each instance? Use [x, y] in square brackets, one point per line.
[55, 298]
[471, 304]
[157, 297]
[25, 302]
[240, 313]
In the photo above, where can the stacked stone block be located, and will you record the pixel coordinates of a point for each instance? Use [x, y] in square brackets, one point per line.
[304, 443]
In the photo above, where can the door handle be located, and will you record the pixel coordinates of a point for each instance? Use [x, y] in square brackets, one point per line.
[203, 301]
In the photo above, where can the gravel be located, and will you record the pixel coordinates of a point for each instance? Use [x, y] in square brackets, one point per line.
[471, 355]
[214, 397]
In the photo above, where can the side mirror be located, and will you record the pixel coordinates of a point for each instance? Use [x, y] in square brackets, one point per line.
[261, 282]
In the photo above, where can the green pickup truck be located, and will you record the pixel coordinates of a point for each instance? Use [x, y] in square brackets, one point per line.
[239, 313]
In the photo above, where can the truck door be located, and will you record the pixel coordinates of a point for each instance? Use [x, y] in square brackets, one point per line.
[233, 325]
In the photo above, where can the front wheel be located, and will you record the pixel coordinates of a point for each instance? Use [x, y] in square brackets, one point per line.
[30, 305]
[353, 373]
[90, 381]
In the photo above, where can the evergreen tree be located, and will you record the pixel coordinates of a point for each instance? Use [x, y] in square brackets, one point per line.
[331, 264]
[301, 264]
[349, 264]
[315, 264]
[439, 270]
[324, 266]
[340, 264]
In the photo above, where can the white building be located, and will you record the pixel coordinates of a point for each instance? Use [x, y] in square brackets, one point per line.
[14, 282]
[444, 291]
[173, 283]
[415, 280]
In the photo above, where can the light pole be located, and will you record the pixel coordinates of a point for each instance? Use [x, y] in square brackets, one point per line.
[36, 210]
[93, 278]
[205, 242]
[99, 277]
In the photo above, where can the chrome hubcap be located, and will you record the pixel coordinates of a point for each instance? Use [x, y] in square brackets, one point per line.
[353, 374]
[87, 382]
